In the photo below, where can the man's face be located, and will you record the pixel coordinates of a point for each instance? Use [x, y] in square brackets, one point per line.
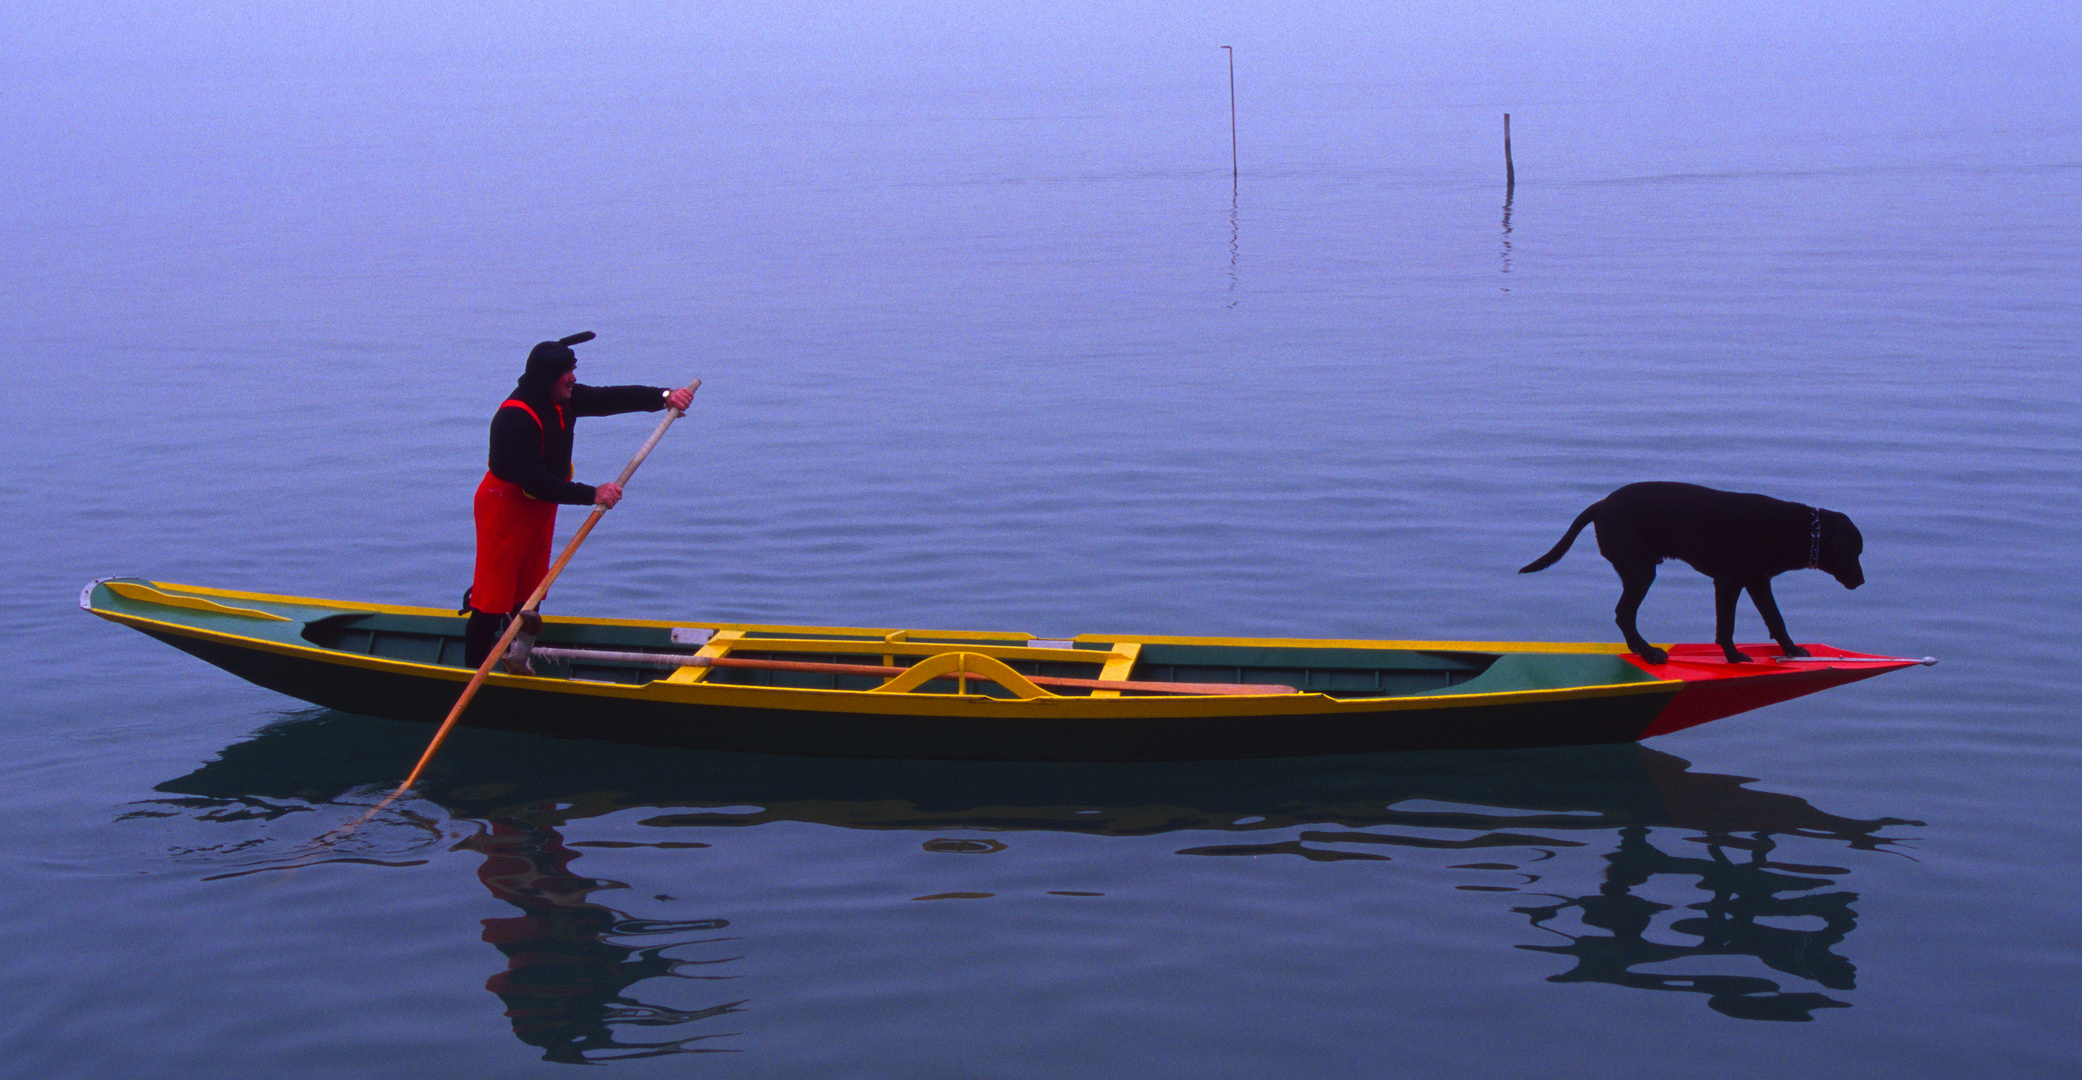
[565, 382]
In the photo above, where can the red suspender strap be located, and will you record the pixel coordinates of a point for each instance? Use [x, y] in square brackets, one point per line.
[516, 403]
[540, 429]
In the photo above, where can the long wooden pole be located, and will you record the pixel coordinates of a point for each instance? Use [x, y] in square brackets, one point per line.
[1510, 170]
[1232, 111]
[513, 626]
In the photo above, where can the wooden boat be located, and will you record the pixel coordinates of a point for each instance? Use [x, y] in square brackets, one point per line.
[855, 692]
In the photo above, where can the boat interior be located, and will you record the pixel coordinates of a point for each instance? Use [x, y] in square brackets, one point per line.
[1345, 672]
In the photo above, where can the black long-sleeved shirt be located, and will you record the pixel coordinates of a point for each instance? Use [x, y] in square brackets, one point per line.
[538, 457]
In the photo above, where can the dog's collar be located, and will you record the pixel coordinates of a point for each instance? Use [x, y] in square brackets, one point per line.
[1814, 544]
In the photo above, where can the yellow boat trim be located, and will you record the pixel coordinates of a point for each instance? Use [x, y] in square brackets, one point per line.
[172, 588]
[1588, 647]
[146, 595]
[877, 635]
[1120, 667]
[870, 703]
[961, 663]
[928, 648]
[839, 632]
[717, 646]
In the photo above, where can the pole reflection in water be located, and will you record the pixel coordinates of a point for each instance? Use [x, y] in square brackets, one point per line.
[1235, 239]
[1506, 240]
[1634, 871]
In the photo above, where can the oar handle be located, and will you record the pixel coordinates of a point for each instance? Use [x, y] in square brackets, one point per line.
[644, 451]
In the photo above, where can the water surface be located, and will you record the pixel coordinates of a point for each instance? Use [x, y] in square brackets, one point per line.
[992, 339]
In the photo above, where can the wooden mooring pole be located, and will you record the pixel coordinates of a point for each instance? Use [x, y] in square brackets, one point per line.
[1510, 173]
[1232, 110]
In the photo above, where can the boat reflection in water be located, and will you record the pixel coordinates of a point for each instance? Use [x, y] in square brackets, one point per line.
[1688, 878]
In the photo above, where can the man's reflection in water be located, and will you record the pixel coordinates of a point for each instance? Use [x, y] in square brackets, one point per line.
[1740, 892]
[565, 972]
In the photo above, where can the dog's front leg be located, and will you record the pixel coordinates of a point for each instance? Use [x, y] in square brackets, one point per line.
[1725, 592]
[1767, 606]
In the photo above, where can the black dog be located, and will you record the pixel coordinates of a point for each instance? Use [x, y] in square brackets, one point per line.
[1740, 541]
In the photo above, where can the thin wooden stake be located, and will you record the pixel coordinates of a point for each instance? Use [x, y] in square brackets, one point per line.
[1510, 173]
[1232, 111]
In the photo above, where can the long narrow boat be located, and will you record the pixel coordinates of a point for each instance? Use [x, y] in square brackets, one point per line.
[854, 692]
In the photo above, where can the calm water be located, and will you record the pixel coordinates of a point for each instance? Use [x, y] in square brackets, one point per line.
[991, 339]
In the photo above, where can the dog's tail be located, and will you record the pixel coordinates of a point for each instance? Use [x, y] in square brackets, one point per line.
[1554, 554]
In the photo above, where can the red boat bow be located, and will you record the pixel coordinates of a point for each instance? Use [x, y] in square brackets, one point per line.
[1715, 688]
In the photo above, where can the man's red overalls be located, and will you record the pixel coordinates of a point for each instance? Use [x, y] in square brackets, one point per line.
[514, 534]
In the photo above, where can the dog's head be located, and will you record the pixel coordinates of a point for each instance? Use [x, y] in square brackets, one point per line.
[1841, 546]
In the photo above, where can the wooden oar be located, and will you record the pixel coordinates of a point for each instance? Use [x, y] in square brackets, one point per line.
[670, 660]
[513, 626]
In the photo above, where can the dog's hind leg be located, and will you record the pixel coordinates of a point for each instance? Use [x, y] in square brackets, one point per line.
[1633, 588]
[1767, 606]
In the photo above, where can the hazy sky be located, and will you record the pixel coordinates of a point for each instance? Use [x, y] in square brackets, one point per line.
[897, 29]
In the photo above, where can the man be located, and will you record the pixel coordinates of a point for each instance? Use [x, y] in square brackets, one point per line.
[529, 475]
